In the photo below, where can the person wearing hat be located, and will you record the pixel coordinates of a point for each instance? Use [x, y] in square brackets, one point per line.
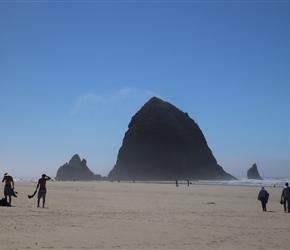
[285, 197]
[8, 187]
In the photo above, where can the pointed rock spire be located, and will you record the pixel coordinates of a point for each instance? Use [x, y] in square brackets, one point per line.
[253, 173]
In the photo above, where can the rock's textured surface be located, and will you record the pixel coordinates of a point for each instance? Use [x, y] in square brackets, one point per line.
[164, 143]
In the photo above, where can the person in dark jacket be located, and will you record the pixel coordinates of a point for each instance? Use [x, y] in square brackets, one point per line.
[285, 196]
[263, 197]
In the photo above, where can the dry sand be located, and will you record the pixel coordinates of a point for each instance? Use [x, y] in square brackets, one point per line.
[106, 215]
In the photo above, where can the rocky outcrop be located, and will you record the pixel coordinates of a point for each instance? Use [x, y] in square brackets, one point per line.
[75, 170]
[253, 173]
[164, 143]
[98, 177]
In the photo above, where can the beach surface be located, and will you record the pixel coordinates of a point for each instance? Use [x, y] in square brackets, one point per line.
[123, 215]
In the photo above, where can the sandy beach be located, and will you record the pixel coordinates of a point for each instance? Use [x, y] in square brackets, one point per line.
[112, 215]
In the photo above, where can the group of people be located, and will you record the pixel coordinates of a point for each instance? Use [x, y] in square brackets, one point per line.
[9, 187]
[263, 196]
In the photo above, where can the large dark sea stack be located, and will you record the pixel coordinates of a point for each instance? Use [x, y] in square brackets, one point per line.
[164, 143]
[75, 170]
[253, 173]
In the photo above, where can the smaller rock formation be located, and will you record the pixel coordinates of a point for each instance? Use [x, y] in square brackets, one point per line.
[253, 173]
[75, 170]
[98, 177]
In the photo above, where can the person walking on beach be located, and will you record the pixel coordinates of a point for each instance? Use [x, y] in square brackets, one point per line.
[285, 197]
[9, 185]
[42, 189]
[263, 197]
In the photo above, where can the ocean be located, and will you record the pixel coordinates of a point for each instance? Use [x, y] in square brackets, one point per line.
[242, 181]
[267, 182]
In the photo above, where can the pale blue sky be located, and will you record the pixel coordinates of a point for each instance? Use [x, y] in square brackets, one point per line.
[73, 73]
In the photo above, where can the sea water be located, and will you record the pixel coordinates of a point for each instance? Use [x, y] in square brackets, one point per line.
[267, 182]
[243, 181]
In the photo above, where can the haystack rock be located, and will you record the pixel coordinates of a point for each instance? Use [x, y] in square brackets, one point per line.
[75, 170]
[253, 173]
[164, 143]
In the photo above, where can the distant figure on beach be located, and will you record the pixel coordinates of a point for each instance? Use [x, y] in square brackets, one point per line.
[176, 183]
[8, 187]
[285, 197]
[263, 196]
[42, 189]
[188, 183]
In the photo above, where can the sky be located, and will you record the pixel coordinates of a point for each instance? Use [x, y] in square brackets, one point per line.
[73, 73]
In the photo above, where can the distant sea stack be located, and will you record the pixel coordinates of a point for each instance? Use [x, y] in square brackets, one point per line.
[75, 170]
[253, 173]
[164, 143]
